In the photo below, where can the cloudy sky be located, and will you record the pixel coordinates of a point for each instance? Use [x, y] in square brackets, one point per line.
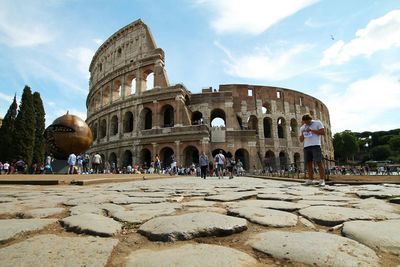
[345, 53]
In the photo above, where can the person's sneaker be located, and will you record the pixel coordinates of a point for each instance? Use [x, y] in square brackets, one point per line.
[321, 183]
[308, 182]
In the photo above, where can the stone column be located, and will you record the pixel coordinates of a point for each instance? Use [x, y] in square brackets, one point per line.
[178, 115]
[120, 124]
[156, 116]
[177, 152]
[123, 85]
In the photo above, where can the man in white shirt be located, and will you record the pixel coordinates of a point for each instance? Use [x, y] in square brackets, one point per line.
[310, 134]
[220, 161]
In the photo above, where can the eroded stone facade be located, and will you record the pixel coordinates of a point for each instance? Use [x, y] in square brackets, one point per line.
[135, 113]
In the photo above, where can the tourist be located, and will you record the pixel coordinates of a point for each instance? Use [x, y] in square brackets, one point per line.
[230, 163]
[173, 165]
[6, 167]
[20, 166]
[203, 162]
[86, 160]
[71, 163]
[96, 161]
[310, 134]
[79, 164]
[157, 164]
[47, 165]
[220, 161]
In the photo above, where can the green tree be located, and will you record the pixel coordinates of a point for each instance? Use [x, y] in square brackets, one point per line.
[394, 144]
[25, 127]
[381, 152]
[7, 130]
[345, 145]
[38, 150]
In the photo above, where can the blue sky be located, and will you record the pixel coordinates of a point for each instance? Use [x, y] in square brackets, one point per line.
[345, 53]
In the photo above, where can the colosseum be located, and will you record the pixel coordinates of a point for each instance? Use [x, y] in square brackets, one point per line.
[135, 113]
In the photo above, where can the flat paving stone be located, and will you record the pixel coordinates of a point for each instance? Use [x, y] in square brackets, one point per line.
[330, 216]
[232, 196]
[91, 224]
[42, 213]
[281, 196]
[86, 208]
[191, 225]
[203, 255]
[137, 200]
[314, 248]
[269, 204]
[141, 215]
[268, 217]
[11, 227]
[323, 203]
[383, 235]
[52, 250]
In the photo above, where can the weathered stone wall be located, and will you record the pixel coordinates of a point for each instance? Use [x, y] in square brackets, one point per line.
[134, 117]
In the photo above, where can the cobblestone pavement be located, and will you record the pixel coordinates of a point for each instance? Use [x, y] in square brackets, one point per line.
[189, 221]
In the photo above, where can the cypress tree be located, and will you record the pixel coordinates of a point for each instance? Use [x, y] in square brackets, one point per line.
[38, 150]
[7, 130]
[25, 127]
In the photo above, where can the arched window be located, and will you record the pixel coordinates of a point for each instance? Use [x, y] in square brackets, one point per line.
[269, 161]
[94, 131]
[267, 127]
[293, 127]
[114, 125]
[149, 79]
[281, 128]
[145, 158]
[128, 122]
[146, 118]
[167, 113]
[103, 128]
[191, 155]
[266, 108]
[131, 85]
[127, 159]
[283, 161]
[253, 123]
[197, 118]
[218, 118]
[117, 90]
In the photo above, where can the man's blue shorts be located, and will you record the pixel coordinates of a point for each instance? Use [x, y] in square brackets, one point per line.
[312, 153]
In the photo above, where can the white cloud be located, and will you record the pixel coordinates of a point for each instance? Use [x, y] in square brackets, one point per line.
[20, 29]
[251, 16]
[363, 105]
[98, 41]
[31, 67]
[6, 98]
[263, 64]
[380, 34]
[83, 56]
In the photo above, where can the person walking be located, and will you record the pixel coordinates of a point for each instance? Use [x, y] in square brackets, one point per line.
[220, 161]
[47, 166]
[310, 134]
[157, 164]
[96, 161]
[203, 162]
[230, 163]
[71, 163]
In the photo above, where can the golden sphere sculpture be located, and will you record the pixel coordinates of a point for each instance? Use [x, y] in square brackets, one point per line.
[68, 134]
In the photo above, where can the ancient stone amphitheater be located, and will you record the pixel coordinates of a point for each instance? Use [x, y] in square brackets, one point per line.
[135, 113]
